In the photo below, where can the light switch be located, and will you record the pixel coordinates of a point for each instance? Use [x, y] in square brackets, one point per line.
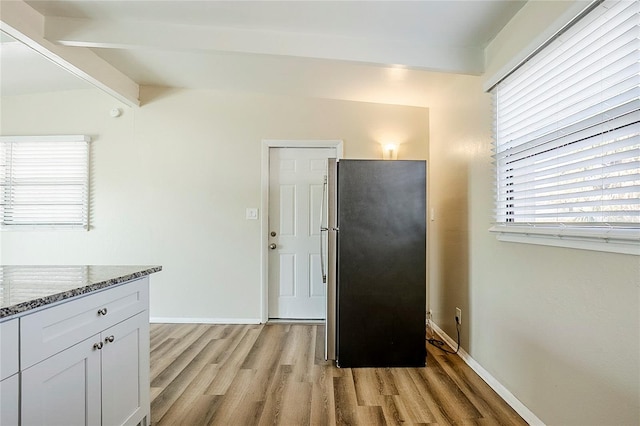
[433, 214]
[252, 214]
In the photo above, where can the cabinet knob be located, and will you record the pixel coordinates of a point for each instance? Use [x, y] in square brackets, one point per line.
[98, 345]
[102, 311]
[109, 339]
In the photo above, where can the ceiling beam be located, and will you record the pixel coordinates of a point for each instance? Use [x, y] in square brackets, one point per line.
[165, 36]
[26, 25]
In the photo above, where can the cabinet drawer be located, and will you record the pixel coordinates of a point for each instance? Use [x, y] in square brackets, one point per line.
[52, 330]
[8, 348]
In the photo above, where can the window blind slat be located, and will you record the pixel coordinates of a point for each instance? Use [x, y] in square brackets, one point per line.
[618, 138]
[565, 182]
[576, 165]
[582, 131]
[593, 203]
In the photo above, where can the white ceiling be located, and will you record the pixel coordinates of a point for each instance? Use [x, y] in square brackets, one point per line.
[381, 51]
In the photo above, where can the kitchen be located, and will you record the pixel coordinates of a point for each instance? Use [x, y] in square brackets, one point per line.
[171, 181]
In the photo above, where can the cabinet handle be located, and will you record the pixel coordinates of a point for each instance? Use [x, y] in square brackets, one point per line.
[109, 339]
[98, 345]
[102, 311]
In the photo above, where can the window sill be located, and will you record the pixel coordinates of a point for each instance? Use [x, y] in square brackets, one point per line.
[605, 240]
[30, 228]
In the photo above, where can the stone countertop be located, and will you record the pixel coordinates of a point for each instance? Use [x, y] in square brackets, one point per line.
[23, 288]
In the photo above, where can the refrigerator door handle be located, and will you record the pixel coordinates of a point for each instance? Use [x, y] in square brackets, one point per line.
[323, 229]
[331, 264]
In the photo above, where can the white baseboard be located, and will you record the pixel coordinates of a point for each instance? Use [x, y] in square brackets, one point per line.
[183, 320]
[504, 393]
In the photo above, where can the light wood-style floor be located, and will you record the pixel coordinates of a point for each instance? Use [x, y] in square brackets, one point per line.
[276, 374]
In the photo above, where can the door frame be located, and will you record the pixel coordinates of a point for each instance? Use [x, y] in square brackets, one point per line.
[267, 144]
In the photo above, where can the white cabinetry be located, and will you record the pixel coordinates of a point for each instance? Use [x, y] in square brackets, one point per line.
[9, 381]
[86, 361]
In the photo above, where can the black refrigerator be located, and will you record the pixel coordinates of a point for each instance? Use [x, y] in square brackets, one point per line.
[376, 263]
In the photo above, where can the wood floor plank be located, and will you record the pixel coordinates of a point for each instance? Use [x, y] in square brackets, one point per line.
[370, 416]
[166, 365]
[276, 374]
[483, 397]
[226, 412]
[345, 399]
[268, 354]
[230, 362]
[295, 403]
[232, 336]
[386, 382]
[202, 410]
[183, 358]
[184, 404]
[414, 402]
[366, 385]
[182, 378]
[432, 401]
[304, 356]
[322, 397]
[447, 394]
[159, 334]
[267, 346]
[271, 413]
[395, 413]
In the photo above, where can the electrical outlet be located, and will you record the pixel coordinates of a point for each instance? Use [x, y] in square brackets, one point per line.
[429, 314]
[459, 315]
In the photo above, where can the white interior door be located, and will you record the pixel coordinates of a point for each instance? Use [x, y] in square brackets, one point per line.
[296, 179]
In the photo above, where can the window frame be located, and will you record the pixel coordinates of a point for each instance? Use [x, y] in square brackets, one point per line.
[83, 184]
[617, 238]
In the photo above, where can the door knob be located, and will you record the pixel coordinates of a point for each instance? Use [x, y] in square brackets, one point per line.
[272, 246]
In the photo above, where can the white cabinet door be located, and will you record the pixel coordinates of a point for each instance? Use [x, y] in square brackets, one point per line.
[125, 372]
[64, 389]
[9, 406]
[8, 348]
[9, 377]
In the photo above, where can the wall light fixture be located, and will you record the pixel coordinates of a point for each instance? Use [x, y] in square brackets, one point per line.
[390, 151]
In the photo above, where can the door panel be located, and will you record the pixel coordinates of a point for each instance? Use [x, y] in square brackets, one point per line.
[296, 179]
[64, 389]
[124, 357]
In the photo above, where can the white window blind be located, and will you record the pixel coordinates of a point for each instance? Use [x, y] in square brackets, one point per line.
[567, 132]
[44, 182]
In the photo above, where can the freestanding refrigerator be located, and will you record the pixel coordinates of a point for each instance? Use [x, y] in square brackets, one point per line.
[376, 263]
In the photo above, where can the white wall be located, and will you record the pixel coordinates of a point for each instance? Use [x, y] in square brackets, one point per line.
[172, 179]
[560, 328]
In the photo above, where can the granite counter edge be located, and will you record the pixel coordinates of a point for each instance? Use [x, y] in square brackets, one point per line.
[23, 307]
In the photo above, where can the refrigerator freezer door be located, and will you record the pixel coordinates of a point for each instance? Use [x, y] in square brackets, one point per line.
[330, 324]
[381, 263]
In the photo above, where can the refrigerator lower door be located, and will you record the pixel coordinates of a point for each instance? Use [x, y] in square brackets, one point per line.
[332, 242]
[381, 288]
